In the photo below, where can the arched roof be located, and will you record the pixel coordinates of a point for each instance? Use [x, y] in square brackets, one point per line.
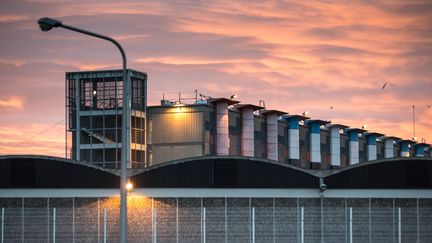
[35, 171]
[405, 173]
[225, 172]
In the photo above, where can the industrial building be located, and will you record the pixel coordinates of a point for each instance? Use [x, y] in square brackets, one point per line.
[224, 127]
[214, 170]
[94, 104]
[208, 127]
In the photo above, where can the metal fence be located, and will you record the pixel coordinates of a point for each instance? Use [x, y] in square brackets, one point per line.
[218, 220]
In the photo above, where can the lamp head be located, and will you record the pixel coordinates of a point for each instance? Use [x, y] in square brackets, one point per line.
[46, 24]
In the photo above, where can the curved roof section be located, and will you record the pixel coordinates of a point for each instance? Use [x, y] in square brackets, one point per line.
[397, 173]
[34, 171]
[225, 172]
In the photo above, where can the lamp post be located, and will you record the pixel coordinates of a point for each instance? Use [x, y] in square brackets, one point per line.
[47, 24]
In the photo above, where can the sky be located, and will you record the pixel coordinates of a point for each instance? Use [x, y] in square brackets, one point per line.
[331, 58]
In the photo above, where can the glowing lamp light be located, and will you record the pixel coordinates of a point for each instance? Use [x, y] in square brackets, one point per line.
[129, 186]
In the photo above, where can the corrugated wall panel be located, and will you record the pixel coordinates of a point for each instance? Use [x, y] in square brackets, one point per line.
[234, 133]
[177, 127]
[390, 174]
[362, 149]
[176, 133]
[282, 141]
[304, 147]
[260, 137]
[380, 150]
[344, 143]
[163, 153]
[325, 149]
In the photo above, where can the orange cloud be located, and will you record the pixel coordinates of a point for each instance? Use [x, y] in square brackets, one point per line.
[33, 139]
[13, 102]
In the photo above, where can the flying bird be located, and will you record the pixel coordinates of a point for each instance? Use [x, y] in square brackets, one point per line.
[428, 106]
[386, 84]
[331, 107]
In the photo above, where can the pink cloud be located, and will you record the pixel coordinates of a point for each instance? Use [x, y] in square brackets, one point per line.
[12, 18]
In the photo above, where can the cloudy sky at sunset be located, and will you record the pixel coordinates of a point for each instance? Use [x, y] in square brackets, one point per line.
[294, 55]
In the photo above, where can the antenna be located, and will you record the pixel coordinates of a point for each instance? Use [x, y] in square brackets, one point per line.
[413, 117]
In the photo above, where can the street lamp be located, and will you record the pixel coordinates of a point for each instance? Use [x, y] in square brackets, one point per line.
[47, 24]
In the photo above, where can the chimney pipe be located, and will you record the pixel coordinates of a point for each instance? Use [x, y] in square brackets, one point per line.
[335, 146]
[294, 136]
[315, 139]
[389, 143]
[222, 124]
[354, 145]
[372, 145]
[405, 148]
[272, 133]
[420, 149]
[247, 129]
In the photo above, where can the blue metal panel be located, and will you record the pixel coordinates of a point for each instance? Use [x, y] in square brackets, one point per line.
[293, 123]
[419, 150]
[353, 136]
[371, 140]
[404, 147]
[314, 127]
